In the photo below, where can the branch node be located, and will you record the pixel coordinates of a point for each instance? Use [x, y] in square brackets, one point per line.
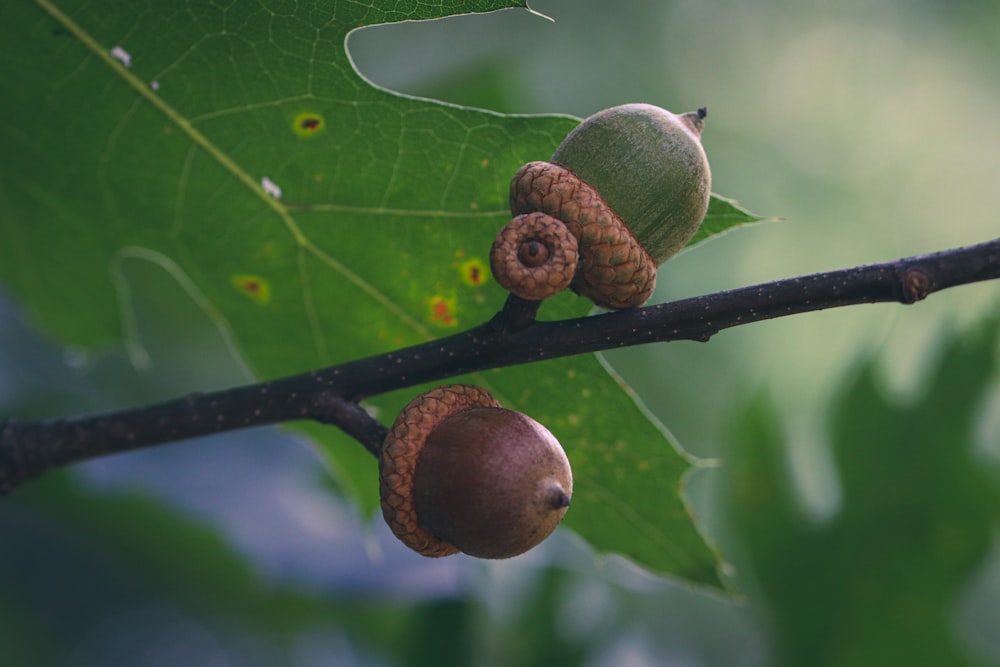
[352, 419]
[915, 284]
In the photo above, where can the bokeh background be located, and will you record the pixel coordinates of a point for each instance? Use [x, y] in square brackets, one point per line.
[856, 501]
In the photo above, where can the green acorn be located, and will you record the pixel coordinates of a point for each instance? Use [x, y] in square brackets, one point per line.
[631, 183]
[649, 166]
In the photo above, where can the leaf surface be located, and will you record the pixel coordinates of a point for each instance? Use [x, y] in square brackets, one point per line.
[313, 217]
[876, 583]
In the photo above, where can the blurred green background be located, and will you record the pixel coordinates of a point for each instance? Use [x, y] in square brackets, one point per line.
[857, 499]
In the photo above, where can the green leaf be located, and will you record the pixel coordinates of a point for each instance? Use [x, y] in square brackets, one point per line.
[723, 215]
[162, 135]
[875, 584]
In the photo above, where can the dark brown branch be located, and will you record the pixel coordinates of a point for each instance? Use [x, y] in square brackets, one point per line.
[513, 337]
[516, 314]
[352, 419]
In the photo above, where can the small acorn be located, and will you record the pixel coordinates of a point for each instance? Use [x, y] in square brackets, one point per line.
[632, 183]
[460, 473]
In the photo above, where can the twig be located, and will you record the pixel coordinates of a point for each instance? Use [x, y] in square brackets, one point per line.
[513, 337]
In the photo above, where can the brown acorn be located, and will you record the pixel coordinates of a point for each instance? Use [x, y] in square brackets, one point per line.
[460, 473]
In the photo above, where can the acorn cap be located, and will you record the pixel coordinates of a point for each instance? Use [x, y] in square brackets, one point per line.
[649, 166]
[614, 270]
[533, 258]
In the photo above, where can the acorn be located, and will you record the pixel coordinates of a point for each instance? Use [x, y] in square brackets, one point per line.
[632, 184]
[460, 473]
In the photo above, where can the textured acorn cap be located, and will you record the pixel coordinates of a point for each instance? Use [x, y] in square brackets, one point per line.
[534, 257]
[615, 270]
[649, 166]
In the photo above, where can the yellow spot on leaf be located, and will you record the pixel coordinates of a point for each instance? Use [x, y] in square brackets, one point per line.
[307, 124]
[442, 311]
[254, 287]
[474, 272]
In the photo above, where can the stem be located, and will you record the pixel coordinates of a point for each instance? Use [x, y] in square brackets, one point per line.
[512, 337]
[517, 314]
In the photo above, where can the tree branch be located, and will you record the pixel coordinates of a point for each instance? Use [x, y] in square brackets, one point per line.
[512, 337]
